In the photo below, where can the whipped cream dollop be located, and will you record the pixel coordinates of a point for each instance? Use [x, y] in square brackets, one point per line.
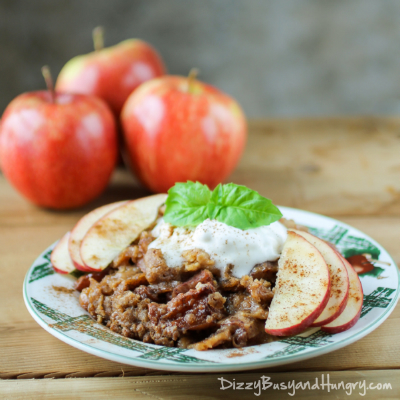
[225, 244]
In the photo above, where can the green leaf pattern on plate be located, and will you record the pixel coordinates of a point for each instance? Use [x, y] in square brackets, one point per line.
[42, 270]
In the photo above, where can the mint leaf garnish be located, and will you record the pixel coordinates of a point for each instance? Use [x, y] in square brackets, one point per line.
[186, 204]
[242, 207]
[238, 206]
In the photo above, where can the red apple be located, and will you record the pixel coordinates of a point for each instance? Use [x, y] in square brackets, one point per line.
[58, 150]
[178, 129]
[111, 73]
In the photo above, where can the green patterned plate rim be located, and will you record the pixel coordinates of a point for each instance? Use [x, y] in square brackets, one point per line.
[59, 313]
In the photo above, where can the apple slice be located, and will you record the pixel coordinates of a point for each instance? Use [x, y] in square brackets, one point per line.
[60, 258]
[339, 290]
[352, 311]
[117, 230]
[301, 290]
[81, 228]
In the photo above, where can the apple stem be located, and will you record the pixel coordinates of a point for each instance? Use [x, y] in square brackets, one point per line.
[192, 78]
[49, 82]
[98, 38]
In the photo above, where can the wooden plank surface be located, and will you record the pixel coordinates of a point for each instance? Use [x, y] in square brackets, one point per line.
[346, 168]
[366, 383]
[329, 166]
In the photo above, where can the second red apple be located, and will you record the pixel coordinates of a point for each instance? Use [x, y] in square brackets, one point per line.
[111, 73]
[178, 129]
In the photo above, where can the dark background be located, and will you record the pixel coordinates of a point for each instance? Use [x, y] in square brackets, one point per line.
[278, 58]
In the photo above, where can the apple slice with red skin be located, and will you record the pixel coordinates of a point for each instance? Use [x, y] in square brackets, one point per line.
[351, 314]
[60, 258]
[117, 230]
[301, 290]
[80, 230]
[339, 290]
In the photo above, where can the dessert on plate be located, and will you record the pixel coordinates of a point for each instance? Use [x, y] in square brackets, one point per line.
[206, 269]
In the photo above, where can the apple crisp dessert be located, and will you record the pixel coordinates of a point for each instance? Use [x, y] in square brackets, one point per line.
[207, 269]
[140, 297]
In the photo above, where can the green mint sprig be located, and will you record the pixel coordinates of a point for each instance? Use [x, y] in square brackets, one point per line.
[191, 203]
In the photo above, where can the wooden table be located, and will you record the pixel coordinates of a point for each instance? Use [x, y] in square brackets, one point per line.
[346, 168]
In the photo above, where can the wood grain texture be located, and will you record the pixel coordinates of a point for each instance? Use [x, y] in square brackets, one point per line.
[346, 168]
[209, 387]
[329, 166]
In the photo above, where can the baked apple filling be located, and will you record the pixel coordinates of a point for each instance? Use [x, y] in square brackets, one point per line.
[189, 303]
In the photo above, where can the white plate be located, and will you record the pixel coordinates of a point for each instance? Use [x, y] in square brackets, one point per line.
[59, 313]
